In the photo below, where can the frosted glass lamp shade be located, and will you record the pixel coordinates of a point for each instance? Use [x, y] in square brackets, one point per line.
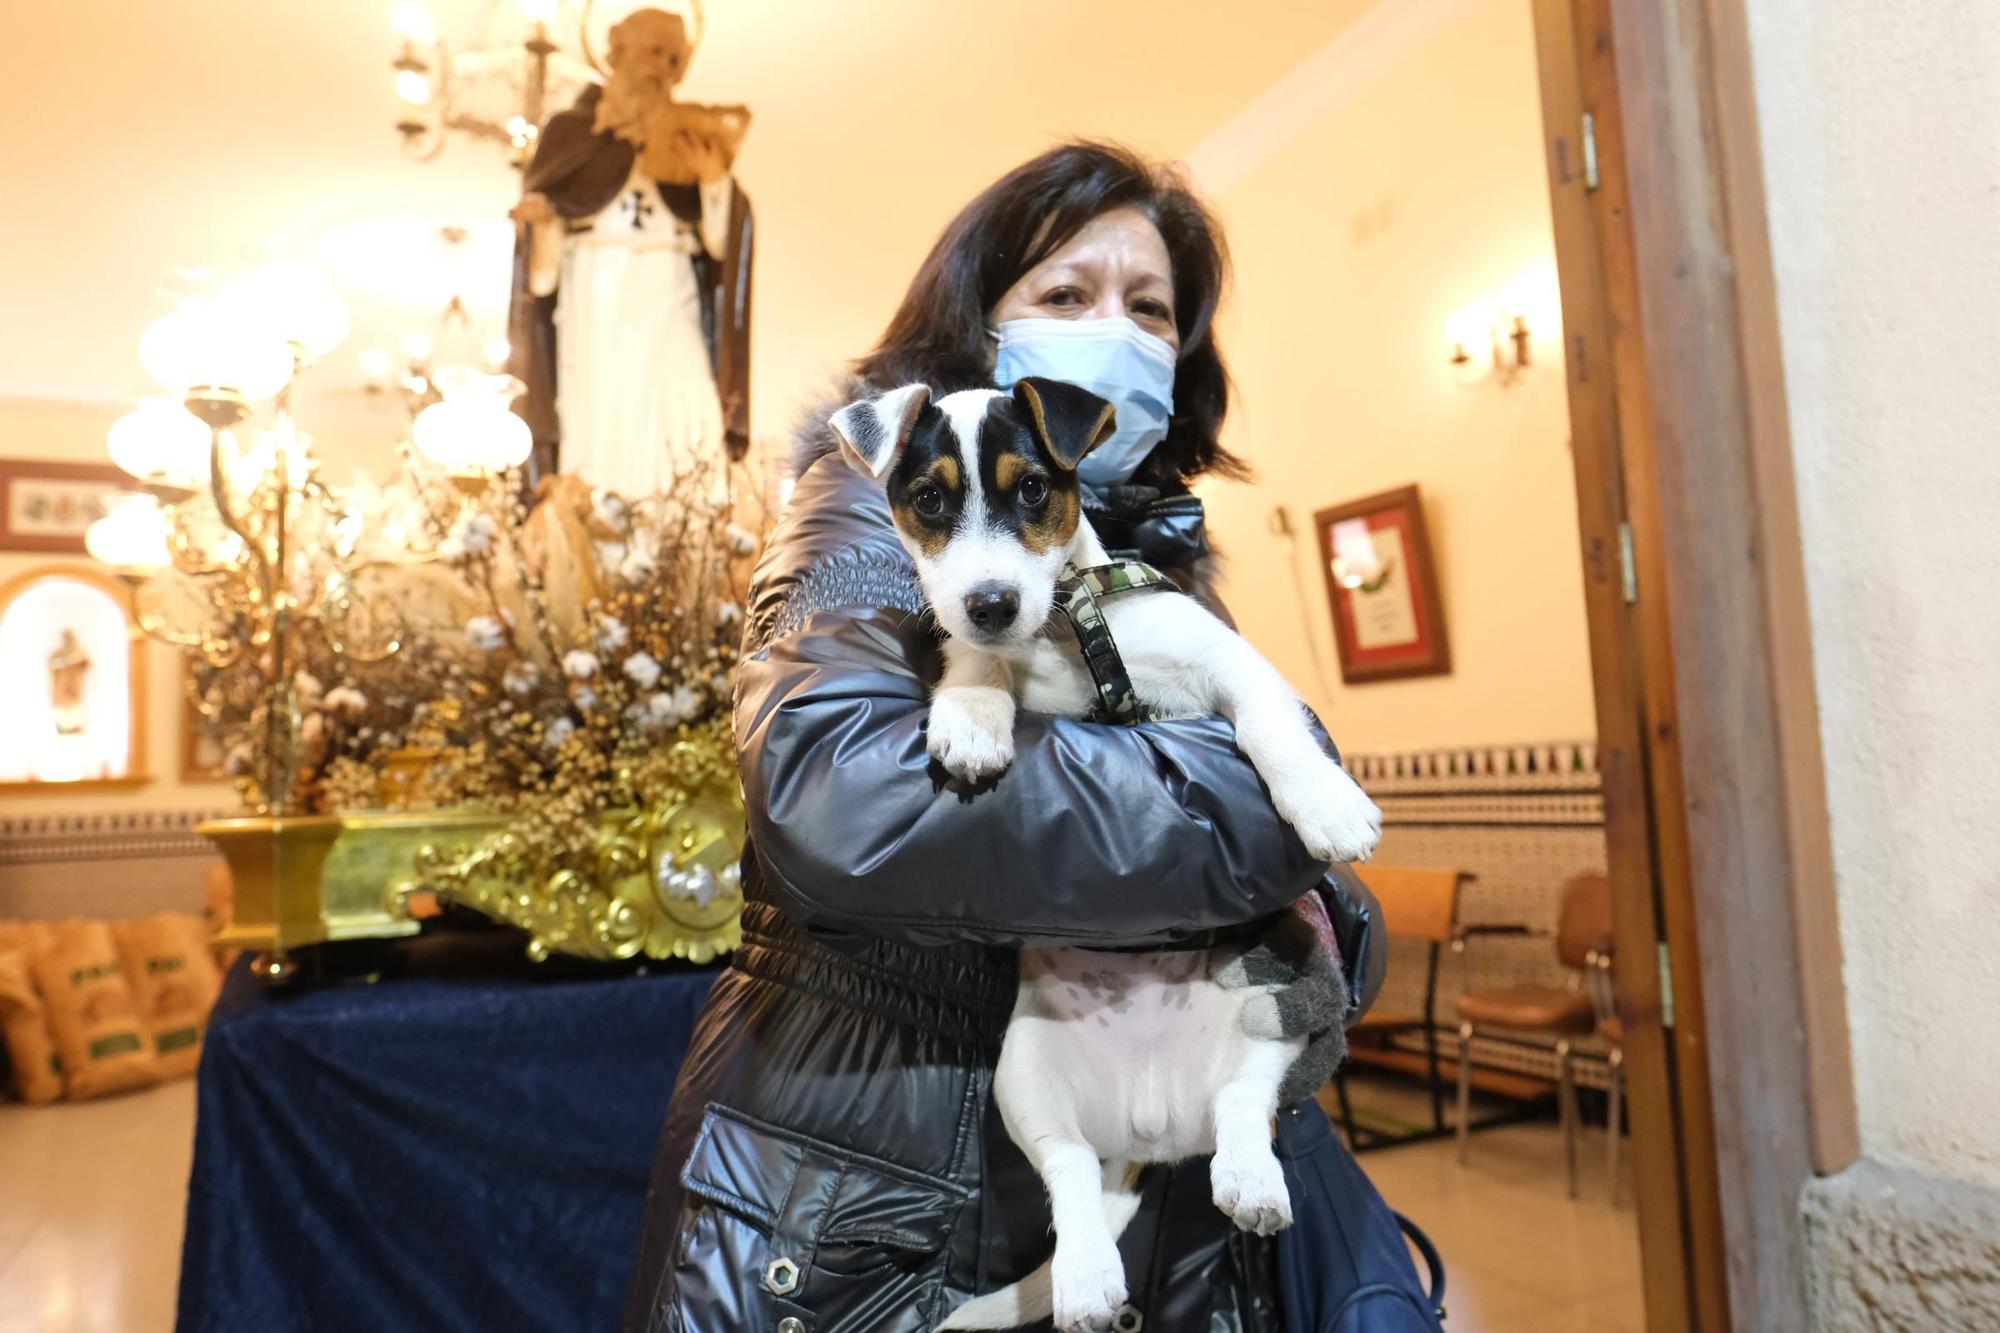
[472, 432]
[208, 343]
[294, 302]
[160, 441]
[132, 538]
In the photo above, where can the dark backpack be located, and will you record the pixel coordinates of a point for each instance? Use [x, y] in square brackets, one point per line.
[1342, 1263]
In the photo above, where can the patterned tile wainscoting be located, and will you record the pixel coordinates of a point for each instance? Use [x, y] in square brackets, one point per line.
[103, 866]
[1523, 819]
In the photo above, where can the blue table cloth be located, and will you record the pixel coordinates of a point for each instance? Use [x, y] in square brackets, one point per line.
[428, 1155]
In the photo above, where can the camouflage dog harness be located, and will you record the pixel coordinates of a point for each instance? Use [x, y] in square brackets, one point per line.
[1077, 594]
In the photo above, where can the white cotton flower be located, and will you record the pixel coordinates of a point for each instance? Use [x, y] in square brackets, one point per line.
[642, 670]
[472, 534]
[741, 540]
[579, 665]
[612, 634]
[660, 710]
[584, 698]
[346, 702]
[520, 678]
[638, 566]
[485, 633]
[556, 732]
[609, 508]
[729, 613]
[687, 701]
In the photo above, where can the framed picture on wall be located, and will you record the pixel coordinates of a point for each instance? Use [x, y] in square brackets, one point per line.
[1387, 620]
[49, 506]
[72, 673]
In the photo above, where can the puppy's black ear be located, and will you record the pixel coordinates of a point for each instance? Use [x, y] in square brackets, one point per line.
[1069, 421]
[873, 431]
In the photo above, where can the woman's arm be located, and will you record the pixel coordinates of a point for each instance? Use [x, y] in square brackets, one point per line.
[1096, 834]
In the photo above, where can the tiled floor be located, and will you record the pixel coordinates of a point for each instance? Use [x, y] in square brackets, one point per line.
[1519, 1256]
[91, 1198]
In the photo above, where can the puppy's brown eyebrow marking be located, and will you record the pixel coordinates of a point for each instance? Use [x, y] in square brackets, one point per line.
[1007, 470]
[944, 472]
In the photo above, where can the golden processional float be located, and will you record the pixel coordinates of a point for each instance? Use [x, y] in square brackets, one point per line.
[426, 686]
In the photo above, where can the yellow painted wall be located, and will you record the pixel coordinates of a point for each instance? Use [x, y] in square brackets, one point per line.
[1365, 224]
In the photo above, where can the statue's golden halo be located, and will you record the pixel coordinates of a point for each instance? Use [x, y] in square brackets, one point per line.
[689, 10]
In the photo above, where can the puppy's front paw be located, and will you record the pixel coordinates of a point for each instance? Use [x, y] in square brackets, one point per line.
[1088, 1284]
[971, 731]
[1331, 814]
[1251, 1190]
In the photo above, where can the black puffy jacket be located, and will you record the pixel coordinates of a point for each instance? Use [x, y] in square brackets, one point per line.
[831, 1155]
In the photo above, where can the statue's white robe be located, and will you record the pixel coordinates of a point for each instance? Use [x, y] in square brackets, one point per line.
[636, 391]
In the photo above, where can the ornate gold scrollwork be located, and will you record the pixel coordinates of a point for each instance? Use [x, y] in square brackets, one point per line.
[663, 882]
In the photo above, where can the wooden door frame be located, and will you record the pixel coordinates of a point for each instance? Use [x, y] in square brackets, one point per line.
[1709, 736]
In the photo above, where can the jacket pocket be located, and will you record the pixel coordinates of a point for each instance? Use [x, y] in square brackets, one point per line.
[778, 1225]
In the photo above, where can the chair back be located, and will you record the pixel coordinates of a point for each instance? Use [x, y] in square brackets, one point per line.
[1417, 903]
[1584, 924]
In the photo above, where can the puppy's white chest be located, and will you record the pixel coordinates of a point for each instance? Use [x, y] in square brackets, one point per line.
[1159, 637]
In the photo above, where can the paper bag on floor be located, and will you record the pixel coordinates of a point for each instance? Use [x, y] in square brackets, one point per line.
[173, 982]
[105, 1047]
[31, 1051]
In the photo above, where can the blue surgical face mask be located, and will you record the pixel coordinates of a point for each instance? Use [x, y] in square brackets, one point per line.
[1113, 358]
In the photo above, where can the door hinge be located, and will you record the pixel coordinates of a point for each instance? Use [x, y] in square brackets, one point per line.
[1589, 151]
[1628, 564]
[1666, 988]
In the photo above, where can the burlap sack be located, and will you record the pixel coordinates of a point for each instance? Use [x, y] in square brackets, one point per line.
[105, 1047]
[174, 984]
[218, 910]
[31, 1051]
[30, 937]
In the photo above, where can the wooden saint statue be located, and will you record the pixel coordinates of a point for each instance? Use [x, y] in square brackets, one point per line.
[630, 319]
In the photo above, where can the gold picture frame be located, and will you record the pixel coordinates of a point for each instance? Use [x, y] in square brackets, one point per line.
[135, 773]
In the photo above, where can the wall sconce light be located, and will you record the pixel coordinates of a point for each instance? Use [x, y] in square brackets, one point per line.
[1494, 338]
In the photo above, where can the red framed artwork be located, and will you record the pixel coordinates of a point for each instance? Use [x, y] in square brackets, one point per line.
[49, 506]
[1387, 620]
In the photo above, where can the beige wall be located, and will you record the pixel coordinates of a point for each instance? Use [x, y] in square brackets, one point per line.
[1881, 124]
[1400, 181]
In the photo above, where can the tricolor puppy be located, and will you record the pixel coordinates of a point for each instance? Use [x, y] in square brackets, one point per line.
[1111, 1059]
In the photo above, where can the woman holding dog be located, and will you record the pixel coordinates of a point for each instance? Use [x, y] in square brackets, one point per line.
[831, 1162]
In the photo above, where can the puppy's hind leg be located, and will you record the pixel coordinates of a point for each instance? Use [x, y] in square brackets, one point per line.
[1032, 1297]
[1087, 1275]
[1248, 1183]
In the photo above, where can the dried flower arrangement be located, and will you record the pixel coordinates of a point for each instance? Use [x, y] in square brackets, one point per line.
[555, 663]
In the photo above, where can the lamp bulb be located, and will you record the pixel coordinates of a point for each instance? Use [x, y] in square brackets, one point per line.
[413, 24]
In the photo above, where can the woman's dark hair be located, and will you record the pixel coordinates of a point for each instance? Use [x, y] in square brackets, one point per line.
[939, 334]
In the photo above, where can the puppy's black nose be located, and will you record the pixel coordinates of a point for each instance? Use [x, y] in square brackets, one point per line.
[991, 607]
